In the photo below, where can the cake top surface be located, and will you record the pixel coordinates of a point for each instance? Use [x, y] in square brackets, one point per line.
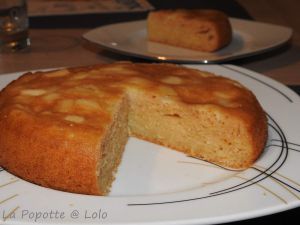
[86, 95]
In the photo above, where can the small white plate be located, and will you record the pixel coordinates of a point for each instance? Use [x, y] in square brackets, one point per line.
[130, 38]
[159, 186]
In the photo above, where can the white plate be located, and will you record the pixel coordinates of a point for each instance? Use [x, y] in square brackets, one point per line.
[130, 38]
[166, 187]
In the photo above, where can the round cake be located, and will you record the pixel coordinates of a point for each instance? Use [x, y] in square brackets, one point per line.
[66, 129]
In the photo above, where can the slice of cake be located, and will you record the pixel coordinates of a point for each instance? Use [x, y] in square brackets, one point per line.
[203, 30]
[67, 129]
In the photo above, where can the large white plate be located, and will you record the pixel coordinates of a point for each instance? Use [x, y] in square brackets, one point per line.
[156, 186]
[130, 38]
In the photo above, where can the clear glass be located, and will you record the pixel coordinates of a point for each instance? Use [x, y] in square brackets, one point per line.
[13, 25]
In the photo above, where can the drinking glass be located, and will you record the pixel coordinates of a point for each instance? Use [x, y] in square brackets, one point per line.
[13, 25]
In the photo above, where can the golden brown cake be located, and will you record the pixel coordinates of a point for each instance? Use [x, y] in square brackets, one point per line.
[66, 129]
[204, 30]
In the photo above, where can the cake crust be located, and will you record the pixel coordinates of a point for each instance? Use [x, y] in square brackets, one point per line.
[61, 128]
